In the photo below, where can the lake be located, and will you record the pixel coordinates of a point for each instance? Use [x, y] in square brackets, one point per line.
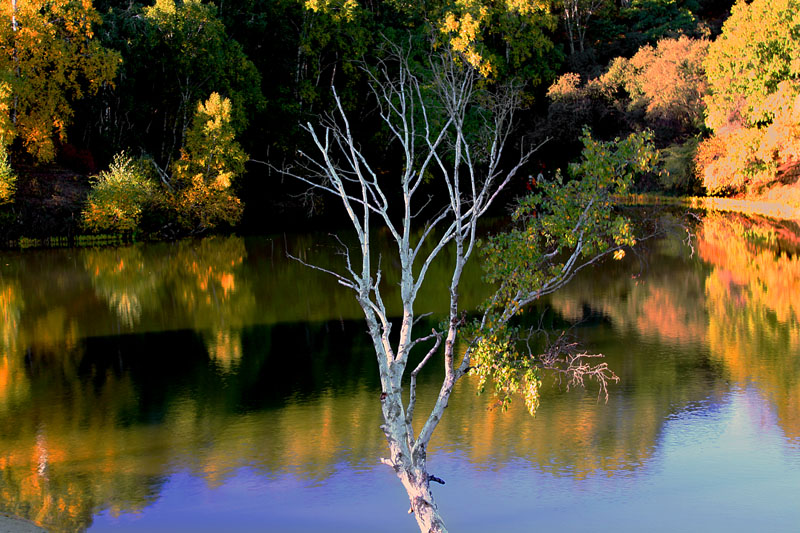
[213, 385]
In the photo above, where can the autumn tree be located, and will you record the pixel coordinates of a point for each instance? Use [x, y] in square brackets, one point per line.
[50, 58]
[452, 134]
[195, 194]
[754, 86]
[201, 182]
[119, 196]
[667, 81]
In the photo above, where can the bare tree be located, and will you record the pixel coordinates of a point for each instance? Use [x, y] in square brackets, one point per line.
[427, 118]
[576, 15]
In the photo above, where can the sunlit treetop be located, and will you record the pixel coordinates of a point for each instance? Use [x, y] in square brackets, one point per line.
[758, 49]
[467, 25]
[339, 9]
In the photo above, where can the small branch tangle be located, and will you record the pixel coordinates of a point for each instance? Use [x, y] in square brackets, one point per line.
[568, 362]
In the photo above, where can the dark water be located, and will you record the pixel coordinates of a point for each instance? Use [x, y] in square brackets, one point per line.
[213, 385]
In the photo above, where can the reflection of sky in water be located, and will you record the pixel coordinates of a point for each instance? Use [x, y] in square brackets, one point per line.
[718, 469]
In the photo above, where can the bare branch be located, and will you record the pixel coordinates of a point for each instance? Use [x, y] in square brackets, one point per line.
[412, 395]
[570, 364]
[341, 279]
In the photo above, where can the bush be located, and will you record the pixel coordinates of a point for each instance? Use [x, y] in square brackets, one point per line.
[666, 83]
[119, 196]
[678, 162]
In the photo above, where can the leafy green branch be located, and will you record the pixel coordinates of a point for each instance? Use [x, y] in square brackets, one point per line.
[560, 229]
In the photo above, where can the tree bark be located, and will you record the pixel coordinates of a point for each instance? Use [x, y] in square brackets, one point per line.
[411, 468]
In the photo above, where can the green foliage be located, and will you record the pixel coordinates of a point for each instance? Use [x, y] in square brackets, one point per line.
[563, 222]
[175, 54]
[523, 256]
[501, 39]
[678, 162]
[619, 31]
[656, 19]
[119, 196]
[496, 359]
[8, 178]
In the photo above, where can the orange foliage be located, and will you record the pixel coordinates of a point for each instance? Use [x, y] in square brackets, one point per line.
[754, 312]
[727, 162]
[754, 101]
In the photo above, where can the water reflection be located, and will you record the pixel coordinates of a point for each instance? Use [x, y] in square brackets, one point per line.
[740, 303]
[121, 367]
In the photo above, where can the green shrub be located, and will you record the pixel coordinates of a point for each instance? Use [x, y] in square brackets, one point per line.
[678, 161]
[119, 196]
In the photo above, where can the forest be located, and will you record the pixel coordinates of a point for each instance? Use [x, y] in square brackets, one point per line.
[175, 119]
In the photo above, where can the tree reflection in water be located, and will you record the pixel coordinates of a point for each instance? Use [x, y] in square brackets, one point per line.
[120, 367]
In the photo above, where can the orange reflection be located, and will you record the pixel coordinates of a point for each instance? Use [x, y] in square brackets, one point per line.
[754, 308]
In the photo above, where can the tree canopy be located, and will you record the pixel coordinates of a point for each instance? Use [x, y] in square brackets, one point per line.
[50, 58]
[754, 97]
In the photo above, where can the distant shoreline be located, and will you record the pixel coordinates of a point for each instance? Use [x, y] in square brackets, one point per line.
[766, 208]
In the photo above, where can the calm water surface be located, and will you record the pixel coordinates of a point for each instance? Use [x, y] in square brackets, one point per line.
[213, 385]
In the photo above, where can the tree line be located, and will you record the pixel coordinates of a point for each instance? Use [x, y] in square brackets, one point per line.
[164, 105]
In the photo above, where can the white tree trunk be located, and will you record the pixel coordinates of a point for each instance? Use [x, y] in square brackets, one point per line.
[470, 173]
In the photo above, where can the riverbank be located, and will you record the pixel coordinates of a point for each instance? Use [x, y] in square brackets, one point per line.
[48, 203]
[12, 524]
[784, 204]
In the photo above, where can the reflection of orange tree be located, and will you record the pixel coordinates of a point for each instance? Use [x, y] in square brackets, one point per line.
[67, 426]
[666, 303]
[754, 310]
[203, 277]
[743, 305]
[13, 385]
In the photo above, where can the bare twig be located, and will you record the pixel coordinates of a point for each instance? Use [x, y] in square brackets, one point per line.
[569, 363]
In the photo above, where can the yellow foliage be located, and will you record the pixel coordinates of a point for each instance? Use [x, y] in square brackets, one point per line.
[722, 160]
[49, 59]
[462, 28]
[741, 158]
[8, 179]
[118, 196]
[753, 68]
[209, 163]
[339, 9]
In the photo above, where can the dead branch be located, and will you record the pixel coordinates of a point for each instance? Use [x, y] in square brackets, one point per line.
[569, 363]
